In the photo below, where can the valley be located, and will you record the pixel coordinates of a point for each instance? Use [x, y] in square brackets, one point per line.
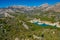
[30, 23]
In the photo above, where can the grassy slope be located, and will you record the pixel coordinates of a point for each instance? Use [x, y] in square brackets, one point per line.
[12, 28]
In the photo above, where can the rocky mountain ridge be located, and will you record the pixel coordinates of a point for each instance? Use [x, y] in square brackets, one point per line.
[44, 7]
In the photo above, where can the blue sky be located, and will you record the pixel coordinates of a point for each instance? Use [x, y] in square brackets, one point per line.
[5, 3]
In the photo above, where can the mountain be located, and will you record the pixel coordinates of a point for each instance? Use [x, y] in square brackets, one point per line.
[45, 6]
[15, 22]
[55, 8]
[31, 10]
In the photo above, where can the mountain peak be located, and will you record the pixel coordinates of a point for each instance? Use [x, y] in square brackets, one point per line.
[44, 5]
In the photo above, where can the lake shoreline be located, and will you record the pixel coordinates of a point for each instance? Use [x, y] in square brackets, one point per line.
[45, 22]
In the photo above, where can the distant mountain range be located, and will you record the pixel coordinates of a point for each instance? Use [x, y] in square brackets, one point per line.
[44, 7]
[31, 10]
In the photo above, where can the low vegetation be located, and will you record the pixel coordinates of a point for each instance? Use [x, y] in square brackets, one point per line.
[12, 28]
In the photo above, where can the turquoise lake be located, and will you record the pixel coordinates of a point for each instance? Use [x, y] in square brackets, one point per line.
[44, 25]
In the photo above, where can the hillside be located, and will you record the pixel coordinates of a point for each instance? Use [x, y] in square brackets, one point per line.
[14, 23]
